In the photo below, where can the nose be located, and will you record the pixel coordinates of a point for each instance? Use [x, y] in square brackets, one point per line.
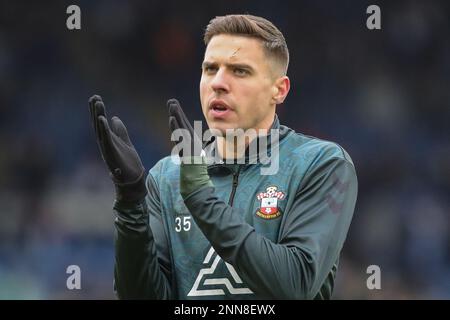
[220, 82]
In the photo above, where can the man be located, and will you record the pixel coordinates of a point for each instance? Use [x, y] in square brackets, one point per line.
[225, 231]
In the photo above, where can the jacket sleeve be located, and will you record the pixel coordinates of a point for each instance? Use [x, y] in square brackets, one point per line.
[312, 234]
[142, 264]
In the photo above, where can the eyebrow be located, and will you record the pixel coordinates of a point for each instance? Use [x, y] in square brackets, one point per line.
[206, 64]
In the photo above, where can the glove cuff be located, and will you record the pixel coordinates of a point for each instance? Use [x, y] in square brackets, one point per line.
[131, 192]
[193, 176]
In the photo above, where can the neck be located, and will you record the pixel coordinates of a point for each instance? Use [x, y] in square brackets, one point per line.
[234, 144]
[232, 147]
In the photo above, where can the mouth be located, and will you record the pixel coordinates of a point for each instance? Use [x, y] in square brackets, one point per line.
[219, 109]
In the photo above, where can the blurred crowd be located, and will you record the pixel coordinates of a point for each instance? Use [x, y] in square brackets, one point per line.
[383, 95]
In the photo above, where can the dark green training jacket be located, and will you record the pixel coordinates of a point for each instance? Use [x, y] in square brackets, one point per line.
[251, 236]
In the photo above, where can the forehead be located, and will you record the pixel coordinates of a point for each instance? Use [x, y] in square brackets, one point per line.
[234, 48]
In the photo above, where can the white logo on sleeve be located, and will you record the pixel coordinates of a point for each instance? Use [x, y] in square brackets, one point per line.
[205, 272]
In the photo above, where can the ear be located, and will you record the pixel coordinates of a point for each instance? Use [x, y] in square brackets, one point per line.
[280, 90]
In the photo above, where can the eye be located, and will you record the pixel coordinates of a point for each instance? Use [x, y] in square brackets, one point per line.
[240, 72]
[209, 69]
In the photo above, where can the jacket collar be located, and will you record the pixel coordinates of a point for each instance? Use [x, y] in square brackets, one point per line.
[252, 153]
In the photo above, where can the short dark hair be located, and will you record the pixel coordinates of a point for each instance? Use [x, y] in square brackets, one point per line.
[252, 26]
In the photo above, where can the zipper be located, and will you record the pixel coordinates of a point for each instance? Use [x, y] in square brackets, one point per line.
[235, 184]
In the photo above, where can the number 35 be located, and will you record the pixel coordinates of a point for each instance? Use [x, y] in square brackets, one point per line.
[182, 223]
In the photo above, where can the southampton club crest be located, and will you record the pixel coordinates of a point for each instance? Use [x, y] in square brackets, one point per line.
[269, 203]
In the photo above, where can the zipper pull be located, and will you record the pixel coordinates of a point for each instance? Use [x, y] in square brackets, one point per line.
[235, 179]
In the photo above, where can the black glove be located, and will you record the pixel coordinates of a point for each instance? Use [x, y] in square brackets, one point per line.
[193, 169]
[178, 120]
[119, 154]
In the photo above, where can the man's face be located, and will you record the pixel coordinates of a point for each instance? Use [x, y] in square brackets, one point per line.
[237, 84]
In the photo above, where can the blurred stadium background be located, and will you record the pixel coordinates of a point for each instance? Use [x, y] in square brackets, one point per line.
[383, 95]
